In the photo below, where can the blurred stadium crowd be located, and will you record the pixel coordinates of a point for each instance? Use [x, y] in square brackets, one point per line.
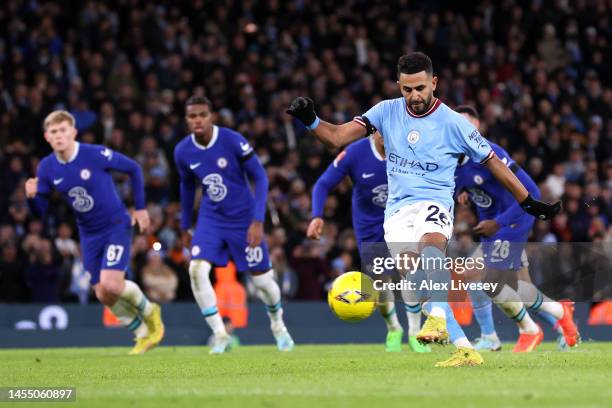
[536, 70]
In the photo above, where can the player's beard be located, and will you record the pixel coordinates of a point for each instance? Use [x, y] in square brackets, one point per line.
[421, 108]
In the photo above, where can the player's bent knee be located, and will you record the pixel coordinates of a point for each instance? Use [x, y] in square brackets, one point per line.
[113, 286]
[262, 278]
[105, 297]
[199, 270]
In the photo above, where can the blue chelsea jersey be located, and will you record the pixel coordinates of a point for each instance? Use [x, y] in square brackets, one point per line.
[367, 170]
[422, 151]
[86, 184]
[219, 168]
[491, 199]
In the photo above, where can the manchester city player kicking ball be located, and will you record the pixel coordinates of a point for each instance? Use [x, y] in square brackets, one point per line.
[82, 174]
[423, 141]
[364, 162]
[505, 228]
[230, 220]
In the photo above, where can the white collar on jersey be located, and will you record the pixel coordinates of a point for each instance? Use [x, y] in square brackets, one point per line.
[213, 139]
[74, 154]
[373, 147]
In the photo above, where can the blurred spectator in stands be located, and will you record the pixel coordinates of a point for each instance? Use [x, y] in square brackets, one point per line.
[159, 280]
[44, 273]
[12, 280]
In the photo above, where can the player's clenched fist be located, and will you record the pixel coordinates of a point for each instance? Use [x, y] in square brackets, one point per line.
[31, 187]
[315, 228]
[302, 108]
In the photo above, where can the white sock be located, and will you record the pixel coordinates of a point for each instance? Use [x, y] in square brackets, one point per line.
[387, 311]
[204, 294]
[413, 312]
[438, 312]
[129, 317]
[133, 295]
[512, 305]
[492, 336]
[533, 298]
[463, 342]
[270, 294]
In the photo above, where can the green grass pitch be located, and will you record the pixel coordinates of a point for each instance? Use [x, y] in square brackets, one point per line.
[314, 376]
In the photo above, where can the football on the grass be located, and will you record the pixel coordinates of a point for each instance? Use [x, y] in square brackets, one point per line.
[352, 296]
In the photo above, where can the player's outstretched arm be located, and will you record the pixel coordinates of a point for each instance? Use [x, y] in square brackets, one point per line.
[303, 110]
[511, 183]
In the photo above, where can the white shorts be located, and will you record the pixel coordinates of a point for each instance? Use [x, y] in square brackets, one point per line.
[405, 228]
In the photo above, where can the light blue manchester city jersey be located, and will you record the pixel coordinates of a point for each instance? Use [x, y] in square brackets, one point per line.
[422, 151]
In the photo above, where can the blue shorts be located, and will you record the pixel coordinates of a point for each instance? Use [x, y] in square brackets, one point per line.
[503, 250]
[371, 245]
[217, 245]
[373, 235]
[106, 249]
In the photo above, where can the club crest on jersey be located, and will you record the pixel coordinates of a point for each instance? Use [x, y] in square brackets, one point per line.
[413, 136]
[222, 162]
[85, 174]
[478, 179]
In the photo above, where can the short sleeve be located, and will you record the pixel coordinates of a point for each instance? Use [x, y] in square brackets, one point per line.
[372, 120]
[470, 141]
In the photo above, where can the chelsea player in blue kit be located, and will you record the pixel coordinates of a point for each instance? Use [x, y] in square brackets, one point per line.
[230, 219]
[82, 174]
[504, 229]
[423, 141]
[364, 162]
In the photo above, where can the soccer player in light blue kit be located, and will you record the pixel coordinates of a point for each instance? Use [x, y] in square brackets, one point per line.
[423, 141]
[82, 174]
[364, 162]
[230, 219]
[504, 229]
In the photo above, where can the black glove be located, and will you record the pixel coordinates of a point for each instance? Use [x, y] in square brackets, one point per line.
[302, 109]
[539, 209]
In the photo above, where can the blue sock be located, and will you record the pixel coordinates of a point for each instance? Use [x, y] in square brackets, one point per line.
[547, 317]
[483, 311]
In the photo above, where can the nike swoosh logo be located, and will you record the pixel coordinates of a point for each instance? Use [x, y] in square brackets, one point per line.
[244, 146]
[194, 166]
[57, 181]
[112, 263]
[367, 175]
